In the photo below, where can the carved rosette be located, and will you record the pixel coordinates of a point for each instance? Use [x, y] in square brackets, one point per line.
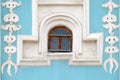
[10, 19]
[110, 24]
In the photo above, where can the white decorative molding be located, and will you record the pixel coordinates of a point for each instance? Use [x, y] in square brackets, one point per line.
[110, 24]
[60, 3]
[87, 47]
[10, 19]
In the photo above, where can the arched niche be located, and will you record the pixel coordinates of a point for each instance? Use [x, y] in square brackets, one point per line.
[63, 19]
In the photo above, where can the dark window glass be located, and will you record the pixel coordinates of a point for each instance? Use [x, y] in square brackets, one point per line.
[54, 44]
[65, 44]
[59, 32]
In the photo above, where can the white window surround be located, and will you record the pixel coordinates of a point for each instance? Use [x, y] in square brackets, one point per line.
[77, 56]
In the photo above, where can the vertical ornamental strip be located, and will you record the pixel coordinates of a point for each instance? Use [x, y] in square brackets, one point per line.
[10, 20]
[110, 24]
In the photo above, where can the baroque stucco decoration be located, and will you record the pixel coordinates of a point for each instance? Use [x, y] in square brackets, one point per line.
[10, 19]
[110, 19]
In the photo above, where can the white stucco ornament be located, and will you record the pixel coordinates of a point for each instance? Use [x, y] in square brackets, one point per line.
[11, 18]
[110, 24]
[9, 39]
[10, 63]
[110, 5]
[10, 49]
[109, 18]
[111, 61]
[111, 49]
[11, 27]
[11, 4]
[111, 39]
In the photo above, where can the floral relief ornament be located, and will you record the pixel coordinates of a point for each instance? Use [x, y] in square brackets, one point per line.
[11, 4]
[11, 19]
[110, 20]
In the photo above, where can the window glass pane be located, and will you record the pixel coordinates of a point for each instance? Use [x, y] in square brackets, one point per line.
[54, 44]
[65, 44]
[60, 32]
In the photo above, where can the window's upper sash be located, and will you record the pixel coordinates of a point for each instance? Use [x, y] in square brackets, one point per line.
[60, 2]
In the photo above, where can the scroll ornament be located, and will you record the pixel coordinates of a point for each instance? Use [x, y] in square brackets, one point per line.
[109, 23]
[10, 19]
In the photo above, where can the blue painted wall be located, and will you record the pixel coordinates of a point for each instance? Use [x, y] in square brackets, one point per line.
[59, 70]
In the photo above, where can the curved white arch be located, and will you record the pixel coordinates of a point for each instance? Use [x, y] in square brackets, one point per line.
[56, 19]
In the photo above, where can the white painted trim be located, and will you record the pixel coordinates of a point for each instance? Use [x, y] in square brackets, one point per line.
[60, 3]
[72, 58]
[35, 18]
[33, 37]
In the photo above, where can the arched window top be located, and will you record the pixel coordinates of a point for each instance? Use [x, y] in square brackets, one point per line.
[60, 30]
[60, 39]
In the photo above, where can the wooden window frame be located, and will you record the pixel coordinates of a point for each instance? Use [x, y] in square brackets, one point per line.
[60, 39]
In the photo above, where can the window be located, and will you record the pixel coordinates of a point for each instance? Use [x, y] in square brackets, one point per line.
[60, 39]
